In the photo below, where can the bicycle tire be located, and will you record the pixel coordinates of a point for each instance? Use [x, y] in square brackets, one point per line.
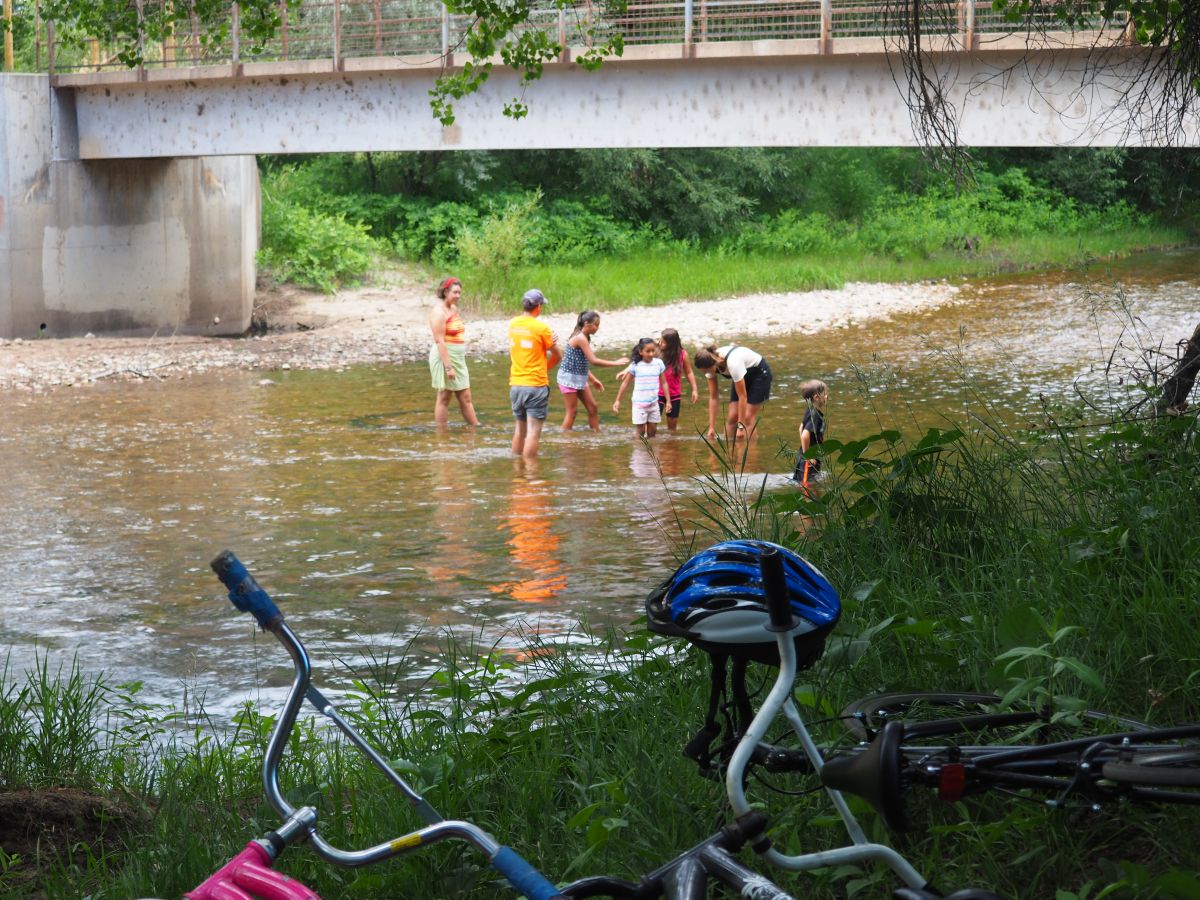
[867, 715]
[1157, 768]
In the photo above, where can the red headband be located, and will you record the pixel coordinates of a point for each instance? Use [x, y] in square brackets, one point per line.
[448, 282]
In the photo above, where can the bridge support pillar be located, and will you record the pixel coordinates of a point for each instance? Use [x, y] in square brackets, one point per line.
[133, 246]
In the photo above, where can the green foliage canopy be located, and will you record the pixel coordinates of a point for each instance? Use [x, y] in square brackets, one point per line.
[128, 26]
[503, 27]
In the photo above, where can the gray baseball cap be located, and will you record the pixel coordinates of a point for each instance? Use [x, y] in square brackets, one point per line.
[533, 298]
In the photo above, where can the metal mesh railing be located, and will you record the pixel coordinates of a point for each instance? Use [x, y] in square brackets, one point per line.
[345, 29]
[753, 20]
[652, 22]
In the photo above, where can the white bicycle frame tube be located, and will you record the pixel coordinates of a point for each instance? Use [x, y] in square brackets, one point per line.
[860, 850]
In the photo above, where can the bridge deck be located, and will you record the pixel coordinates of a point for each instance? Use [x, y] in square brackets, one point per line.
[356, 75]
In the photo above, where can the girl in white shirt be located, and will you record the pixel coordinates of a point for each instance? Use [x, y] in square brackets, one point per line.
[648, 382]
[751, 378]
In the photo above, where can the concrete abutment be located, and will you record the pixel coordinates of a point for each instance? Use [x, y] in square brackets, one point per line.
[123, 246]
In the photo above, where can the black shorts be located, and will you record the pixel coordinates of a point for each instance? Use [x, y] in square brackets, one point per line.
[758, 384]
[670, 411]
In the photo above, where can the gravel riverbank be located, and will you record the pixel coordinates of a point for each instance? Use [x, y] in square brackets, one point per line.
[372, 325]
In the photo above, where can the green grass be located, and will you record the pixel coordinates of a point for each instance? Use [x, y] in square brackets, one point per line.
[660, 277]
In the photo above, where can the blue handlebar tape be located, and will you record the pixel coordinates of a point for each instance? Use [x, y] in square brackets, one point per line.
[244, 591]
[522, 876]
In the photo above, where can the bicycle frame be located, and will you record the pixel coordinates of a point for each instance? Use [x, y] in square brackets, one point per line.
[686, 877]
[779, 699]
[880, 768]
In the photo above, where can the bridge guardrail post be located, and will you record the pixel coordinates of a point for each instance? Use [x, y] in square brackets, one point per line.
[445, 35]
[687, 23]
[283, 34]
[194, 37]
[235, 29]
[8, 36]
[37, 36]
[337, 35]
[966, 23]
[50, 53]
[825, 28]
[141, 42]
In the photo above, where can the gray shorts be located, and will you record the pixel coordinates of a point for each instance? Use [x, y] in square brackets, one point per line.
[529, 402]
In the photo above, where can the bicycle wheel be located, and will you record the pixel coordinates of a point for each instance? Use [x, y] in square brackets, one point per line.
[1157, 768]
[934, 714]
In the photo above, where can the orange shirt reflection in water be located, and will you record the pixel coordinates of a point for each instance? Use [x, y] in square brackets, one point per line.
[533, 542]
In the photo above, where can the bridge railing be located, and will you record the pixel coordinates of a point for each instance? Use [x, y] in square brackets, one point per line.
[338, 30]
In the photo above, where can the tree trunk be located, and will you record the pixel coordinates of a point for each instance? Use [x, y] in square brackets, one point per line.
[1178, 387]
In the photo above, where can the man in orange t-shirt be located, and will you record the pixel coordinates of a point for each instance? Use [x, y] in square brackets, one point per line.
[533, 348]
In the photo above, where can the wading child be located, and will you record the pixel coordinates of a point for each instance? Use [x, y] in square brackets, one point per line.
[678, 367]
[648, 382]
[575, 378]
[812, 430]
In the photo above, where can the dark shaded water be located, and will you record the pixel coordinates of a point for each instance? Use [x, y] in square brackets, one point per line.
[374, 530]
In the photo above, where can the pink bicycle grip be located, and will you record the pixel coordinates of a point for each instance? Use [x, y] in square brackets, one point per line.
[249, 876]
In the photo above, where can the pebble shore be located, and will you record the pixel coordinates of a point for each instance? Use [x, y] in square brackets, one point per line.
[393, 330]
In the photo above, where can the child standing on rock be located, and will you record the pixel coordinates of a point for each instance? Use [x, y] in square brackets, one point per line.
[648, 382]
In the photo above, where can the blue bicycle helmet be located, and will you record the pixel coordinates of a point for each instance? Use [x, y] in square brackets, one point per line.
[715, 600]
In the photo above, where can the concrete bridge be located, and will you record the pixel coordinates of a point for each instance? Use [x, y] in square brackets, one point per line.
[129, 198]
[354, 75]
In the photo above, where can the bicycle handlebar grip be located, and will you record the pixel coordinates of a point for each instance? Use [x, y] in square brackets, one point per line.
[775, 590]
[522, 876]
[244, 592]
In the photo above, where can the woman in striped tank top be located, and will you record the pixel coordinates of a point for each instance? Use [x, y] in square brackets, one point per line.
[448, 355]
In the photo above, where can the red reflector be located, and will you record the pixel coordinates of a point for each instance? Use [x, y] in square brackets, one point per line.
[951, 781]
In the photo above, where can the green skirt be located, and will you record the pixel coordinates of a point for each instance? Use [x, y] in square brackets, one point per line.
[458, 358]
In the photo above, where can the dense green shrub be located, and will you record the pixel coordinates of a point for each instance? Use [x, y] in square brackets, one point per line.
[790, 232]
[846, 214]
[417, 228]
[432, 232]
[312, 248]
[491, 251]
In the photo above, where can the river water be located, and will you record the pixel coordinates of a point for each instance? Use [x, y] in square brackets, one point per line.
[377, 534]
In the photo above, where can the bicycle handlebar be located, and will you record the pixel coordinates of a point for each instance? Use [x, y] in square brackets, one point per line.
[247, 595]
[522, 876]
[244, 592]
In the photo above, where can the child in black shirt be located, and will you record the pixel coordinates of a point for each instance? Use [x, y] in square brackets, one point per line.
[812, 431]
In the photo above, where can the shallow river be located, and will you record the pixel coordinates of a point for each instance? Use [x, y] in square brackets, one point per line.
[373, 530]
